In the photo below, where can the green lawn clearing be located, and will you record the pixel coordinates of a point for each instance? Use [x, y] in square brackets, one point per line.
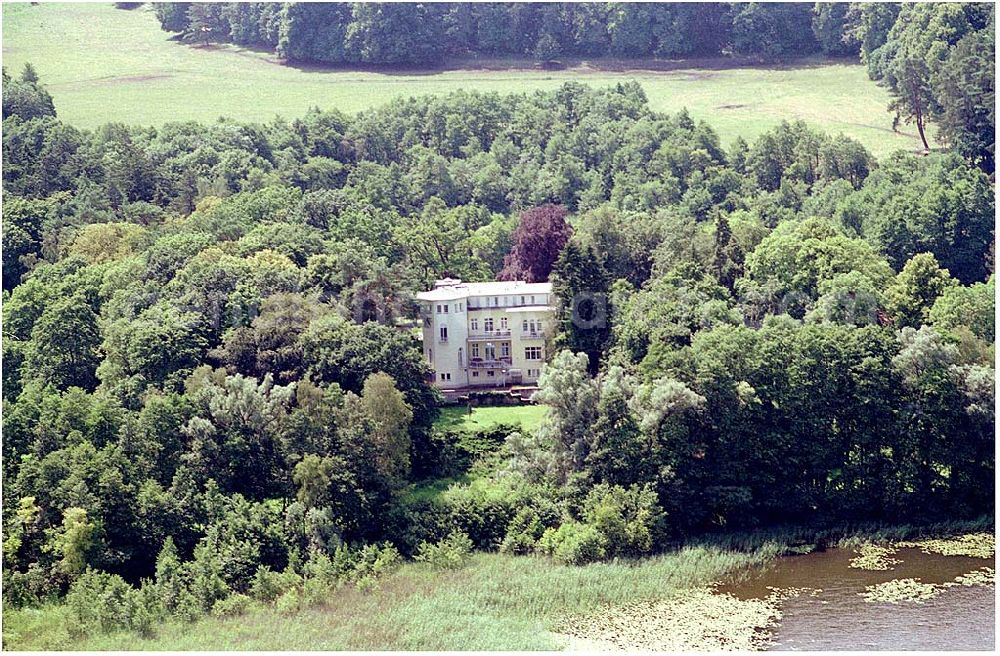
[457, 418]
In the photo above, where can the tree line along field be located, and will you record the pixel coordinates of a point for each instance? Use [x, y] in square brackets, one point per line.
[102, 64]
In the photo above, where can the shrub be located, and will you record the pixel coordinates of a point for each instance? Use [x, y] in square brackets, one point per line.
[207, 583]
[523, 532]
[189, 607]
[482, 443]
[145, 608]
[99, 601]
[231, 606]
[343, 562]
[414, 521]
[322, 574]
[268, 585]
[28, 588]
[450, 553]
[373, 562]
[171, 576]
[322, 570]
[289, 602]
[574, 543]
[315, 591]
[630, 520]
[482, 516]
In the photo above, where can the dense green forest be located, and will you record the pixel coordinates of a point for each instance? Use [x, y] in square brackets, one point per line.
[385, 33]
[211, 392]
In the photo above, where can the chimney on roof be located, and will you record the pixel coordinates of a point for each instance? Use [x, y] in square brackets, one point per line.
[446, 282]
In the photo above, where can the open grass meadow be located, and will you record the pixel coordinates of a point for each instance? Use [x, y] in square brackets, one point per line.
[103, 64]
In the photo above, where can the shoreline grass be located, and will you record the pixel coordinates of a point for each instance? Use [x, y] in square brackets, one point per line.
[103, 64]
[496, 602]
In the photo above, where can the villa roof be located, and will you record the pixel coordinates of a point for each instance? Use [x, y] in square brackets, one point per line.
[449, 290]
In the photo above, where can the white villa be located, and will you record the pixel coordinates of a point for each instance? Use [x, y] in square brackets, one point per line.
[486, 334]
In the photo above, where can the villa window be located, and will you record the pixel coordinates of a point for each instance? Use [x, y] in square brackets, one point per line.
[524, 326]
[474, 350]
[474, 324]
[439, 309]
[533, 353]
[504, 350]
[488, 324]
[444, 333]
[503, 323]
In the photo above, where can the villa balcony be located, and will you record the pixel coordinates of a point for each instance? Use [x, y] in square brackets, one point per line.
[529, 336]
[489, 334]
[479, 363]
[474, 305]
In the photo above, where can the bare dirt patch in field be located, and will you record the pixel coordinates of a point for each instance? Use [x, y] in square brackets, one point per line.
[129, 79]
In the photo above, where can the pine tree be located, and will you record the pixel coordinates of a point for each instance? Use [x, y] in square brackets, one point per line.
[205, 24]
[728, 263]
[580, 283]
[29, 74]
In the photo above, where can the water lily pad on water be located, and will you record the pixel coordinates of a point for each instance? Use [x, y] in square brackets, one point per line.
[900, 590]
[982, 577]
[974, 545]
[874, 557]
[693, 620]
[913, 590]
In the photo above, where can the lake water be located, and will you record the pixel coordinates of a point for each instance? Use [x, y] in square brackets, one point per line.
[959, 618]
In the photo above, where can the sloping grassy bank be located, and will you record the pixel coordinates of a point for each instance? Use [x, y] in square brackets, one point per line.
[494, 602]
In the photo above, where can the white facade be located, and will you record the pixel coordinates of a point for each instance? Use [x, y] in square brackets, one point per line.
[486, 334]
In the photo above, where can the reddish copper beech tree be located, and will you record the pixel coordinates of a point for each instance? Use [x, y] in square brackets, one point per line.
[539, 237]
